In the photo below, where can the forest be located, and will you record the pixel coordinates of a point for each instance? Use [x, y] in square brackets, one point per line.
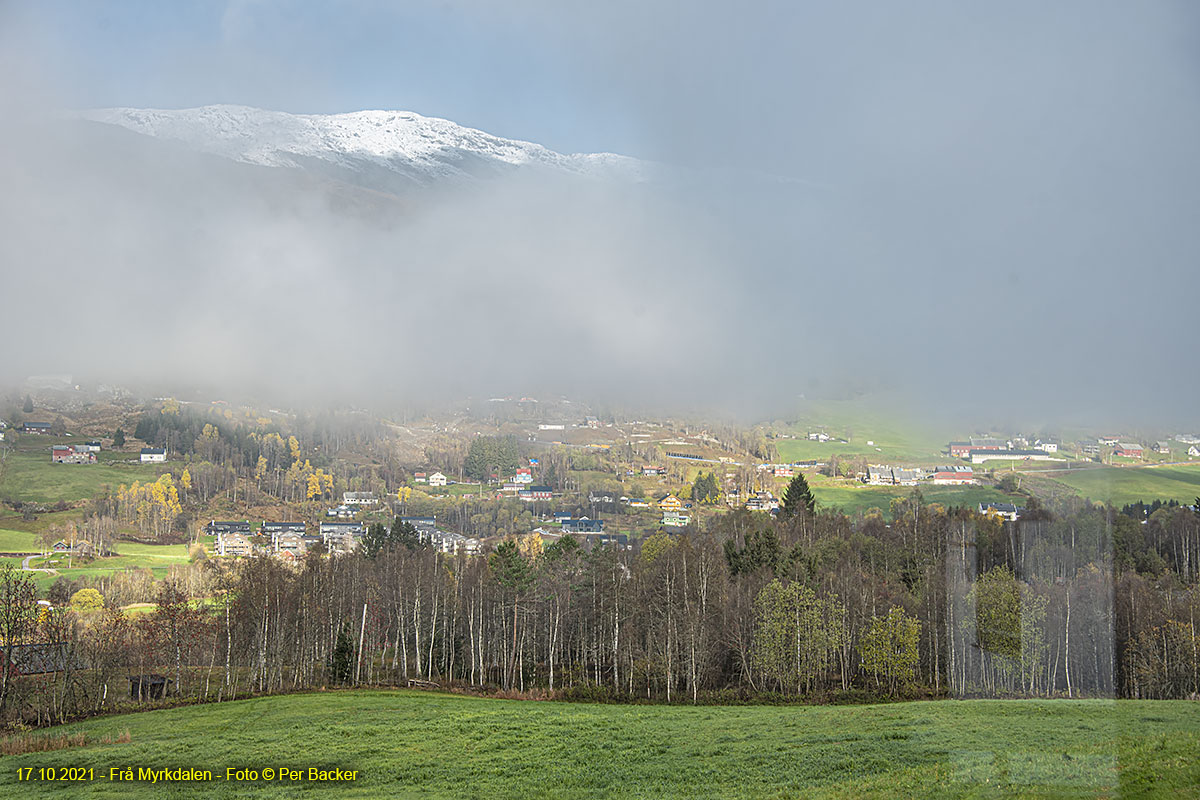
[813, 607]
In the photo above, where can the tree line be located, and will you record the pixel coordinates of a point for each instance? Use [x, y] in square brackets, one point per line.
[814, 606]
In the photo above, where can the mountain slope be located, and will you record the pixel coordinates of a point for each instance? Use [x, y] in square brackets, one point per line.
[376, 146]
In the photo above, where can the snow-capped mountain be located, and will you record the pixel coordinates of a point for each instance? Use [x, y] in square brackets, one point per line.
[375, 147]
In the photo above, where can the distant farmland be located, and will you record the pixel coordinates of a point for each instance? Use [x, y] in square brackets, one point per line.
[411, 744]
[30, 476]
[852, 499]
[1122, 485]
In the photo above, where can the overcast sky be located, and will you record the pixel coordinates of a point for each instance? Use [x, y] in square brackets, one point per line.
[997, 200]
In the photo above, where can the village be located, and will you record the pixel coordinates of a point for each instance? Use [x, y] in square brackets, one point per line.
[634, 501]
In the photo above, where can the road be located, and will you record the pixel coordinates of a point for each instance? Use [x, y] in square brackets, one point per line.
[25, 566]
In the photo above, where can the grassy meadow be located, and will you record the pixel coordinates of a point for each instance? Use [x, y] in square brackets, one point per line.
[30, 476]
[413, 744]
[19, 542]
[157, 558]
[851, 498]
[1122, 485]
[898, 437]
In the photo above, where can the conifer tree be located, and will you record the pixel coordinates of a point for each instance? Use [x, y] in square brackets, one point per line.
[797, 498]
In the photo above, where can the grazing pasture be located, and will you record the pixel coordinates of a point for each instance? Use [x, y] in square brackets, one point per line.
[414, 744]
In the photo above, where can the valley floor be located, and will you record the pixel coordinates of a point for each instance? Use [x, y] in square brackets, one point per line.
[416, 744]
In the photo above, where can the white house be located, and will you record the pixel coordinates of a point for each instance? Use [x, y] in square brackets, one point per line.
[1194, 451]
[437, 479]
[154, 454]
[359, 498]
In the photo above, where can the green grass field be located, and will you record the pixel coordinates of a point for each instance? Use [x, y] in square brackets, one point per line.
[19, 542]
[30, 476]
[898, 438]
[854, 498]
[1121, 485]
[158, 558]
[412, 744]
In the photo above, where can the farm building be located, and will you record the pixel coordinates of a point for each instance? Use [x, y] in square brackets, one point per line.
[1006, 510]
[68, 454]
[891, 476]
[953, 476]
[35, 427]
[1129, 450]
[980, 456]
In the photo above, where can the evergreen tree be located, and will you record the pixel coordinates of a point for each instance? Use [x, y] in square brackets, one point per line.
[375, 540]
[404, 533]
[490, 455]
[28, 407]
[705, 489]
[119, 439]
[797, 498]
[341, 666]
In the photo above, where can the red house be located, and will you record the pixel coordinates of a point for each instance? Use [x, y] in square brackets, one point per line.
[1129, 450]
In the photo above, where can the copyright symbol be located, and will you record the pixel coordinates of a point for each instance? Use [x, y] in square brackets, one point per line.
[268, 773]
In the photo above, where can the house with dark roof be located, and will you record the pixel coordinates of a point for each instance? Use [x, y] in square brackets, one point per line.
[582, 525]
[216, 528]
[532, 493]
[424, 525]
[278, 529]
[591, 541]
[35, 427]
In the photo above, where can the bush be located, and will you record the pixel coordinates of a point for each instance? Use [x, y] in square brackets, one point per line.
[87, 600]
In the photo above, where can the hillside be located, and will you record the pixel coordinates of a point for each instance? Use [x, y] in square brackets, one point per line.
[411, 744]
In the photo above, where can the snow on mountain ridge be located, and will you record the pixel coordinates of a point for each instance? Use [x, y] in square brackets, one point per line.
[431, 146]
